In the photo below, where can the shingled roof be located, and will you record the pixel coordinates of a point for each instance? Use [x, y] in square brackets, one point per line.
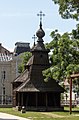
[23, 77]
[32, 79]
[29, 86]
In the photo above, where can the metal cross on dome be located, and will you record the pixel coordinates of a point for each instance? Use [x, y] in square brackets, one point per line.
[34, 37]
[41, 14]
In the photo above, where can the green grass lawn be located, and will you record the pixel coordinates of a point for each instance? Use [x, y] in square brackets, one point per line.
[45, 115]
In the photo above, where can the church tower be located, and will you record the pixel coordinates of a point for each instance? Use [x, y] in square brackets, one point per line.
[32, 91]
[40, 59]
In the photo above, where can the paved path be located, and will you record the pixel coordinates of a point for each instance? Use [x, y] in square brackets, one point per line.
[4, 116]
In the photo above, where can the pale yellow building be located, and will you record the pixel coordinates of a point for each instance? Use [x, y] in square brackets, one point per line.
[8, 72]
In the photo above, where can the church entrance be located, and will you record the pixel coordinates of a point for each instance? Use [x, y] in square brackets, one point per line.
[39, 100]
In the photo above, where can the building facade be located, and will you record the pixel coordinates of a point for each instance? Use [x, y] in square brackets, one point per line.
[8, 72]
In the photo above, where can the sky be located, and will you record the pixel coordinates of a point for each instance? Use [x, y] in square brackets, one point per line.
[19, 21]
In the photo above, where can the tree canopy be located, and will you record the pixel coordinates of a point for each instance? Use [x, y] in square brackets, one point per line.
[65, 55]
[68, 8]
[25, 57]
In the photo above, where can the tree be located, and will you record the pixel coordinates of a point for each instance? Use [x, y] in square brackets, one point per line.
[65, 55]
[68, 8]
[25, 57]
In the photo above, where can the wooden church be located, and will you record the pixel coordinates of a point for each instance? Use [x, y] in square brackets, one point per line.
[30, 89]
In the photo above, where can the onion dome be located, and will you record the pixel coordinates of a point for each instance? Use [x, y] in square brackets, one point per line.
[40, 33]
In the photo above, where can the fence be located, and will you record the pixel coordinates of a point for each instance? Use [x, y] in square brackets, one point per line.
[67, 102]
[5, 100]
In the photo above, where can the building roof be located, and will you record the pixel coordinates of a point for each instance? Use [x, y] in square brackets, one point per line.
[23, 77]
[30, 61]
[4, 50]
[50, 86]
[21, 47]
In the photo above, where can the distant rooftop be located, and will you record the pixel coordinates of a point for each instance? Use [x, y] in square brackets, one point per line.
[4, 50]
[22, 44]
[5, 55]
[21, 47]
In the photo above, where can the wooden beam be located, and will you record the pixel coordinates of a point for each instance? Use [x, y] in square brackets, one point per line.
[70, 95]
[74, 75]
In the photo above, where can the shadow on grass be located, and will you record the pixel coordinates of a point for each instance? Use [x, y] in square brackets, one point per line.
[73, 111]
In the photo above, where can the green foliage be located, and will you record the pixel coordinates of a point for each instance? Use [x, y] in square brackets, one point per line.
[65, 55]
[25, 57]
[21, 68]
[68, 8]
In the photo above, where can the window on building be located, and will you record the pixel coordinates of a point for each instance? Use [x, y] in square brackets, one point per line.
[3, 75]
[3, 90]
